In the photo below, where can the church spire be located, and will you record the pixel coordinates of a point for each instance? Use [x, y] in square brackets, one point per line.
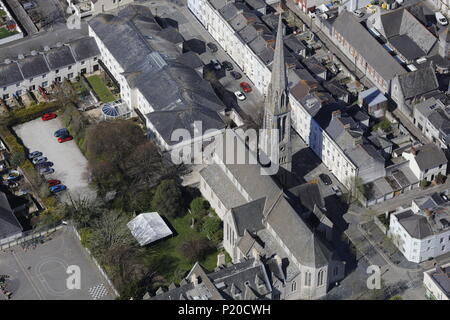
[277, 92]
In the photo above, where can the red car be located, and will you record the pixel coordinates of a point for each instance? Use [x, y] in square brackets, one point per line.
[68, 138]
[53, 182]
[246, 87]
[48, 116]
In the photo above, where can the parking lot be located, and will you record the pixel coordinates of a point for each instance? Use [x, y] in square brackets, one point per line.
[69, 163]
[41, 273]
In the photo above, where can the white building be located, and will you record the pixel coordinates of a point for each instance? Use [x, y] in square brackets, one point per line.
[437, 282]
[156, 79]
[427, 161]
[422, 231]
[46, 65]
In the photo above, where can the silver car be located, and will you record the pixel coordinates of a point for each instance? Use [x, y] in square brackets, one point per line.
[39, 160]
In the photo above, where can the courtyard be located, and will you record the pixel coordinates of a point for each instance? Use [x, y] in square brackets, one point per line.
[41, 273]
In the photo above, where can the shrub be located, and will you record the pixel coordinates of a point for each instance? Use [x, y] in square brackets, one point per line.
[211, 225]
[23, 115]
[199, 207]
[167, 199]
[85, 235]
[424, 183]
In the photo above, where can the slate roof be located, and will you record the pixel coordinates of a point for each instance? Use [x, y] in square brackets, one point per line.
[416, 225]
[249, 216]
[402, 22]
[441, 276]
[10, 74]
[84, 48]
[222, 186]
[430, 156]
[41, 62]
[246, 280]
[367, 46]
[406, 47]
[59, 57]
[416, 83]
[33, 66]
[9, 225]
[372, 96]
[173, 88]
[296, 235]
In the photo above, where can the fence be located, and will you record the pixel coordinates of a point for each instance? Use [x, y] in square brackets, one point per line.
[30, 235]
[98, 265]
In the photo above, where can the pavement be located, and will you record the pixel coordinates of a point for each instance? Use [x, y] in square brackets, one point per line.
[70, 165]
[42, 273]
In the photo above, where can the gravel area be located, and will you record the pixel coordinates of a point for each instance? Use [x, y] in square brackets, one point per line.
[69, 163]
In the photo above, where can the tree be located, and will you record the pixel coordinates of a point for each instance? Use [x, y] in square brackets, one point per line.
[355, 189]
[168, 199]
[199, 207]
[211, 225]
[195, 249]
[110, 230]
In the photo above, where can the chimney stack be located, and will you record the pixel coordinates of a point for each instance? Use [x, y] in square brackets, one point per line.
[194, 279]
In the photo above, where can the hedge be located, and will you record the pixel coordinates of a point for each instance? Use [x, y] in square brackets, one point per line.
[11, 142]
[22, 115]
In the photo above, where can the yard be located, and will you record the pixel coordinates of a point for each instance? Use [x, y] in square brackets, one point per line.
[100, 89]
[4, 33]
[167, 255]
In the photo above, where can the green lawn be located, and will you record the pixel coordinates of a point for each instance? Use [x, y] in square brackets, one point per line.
[6, 33]
[100, 89]
[172, 264]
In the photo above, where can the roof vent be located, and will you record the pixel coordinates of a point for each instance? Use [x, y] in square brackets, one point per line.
[46, 48]
[34, 52]
[59, 44]
[20, 56]
[7, 61]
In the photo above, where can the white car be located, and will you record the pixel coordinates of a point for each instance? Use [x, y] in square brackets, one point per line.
[240, 95]
[216, 64]
[358, 13]
[441, 19]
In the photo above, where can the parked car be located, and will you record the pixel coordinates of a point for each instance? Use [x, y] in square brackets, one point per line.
[13, 174]
[12, 184]
[48, 116]
[44, 164]
[240, 95]
[216, 64]
[46, 170]
[337, 190]
[35, 154]
[57, 188]
[53, 182]
[212, 47]
[441, 19]
[64, 139]
[246, 87]
[358, 13]
[227, 65]
[39, 160]
[61, 132]
[29, 5]
[444, 197]
[325, 179]
[236, 75]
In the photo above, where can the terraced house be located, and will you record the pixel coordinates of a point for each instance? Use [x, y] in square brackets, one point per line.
[49, 58]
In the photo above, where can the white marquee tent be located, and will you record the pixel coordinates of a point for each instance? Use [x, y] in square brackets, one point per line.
[148, 227]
